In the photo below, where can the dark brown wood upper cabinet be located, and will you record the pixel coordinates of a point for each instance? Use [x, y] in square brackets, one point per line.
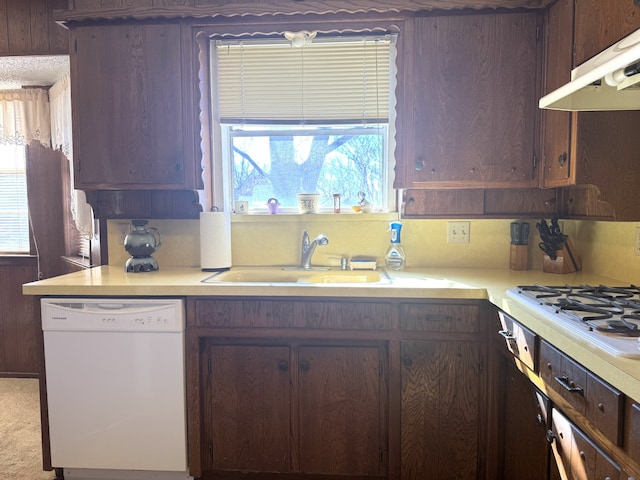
[467, 108]
[599, 25]
[591, 153]
[133, 115]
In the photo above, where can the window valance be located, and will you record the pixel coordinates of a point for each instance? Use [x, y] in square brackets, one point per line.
[24, 116]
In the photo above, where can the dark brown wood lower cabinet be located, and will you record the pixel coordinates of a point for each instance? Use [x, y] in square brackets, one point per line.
[294, 408]
[525, 452]
[440, 424]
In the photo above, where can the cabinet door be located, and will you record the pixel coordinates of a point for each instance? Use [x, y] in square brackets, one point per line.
[524, 443]
[556, 125]
[341, 410]
[440, 409]
[247, 409]
[130, 126]
[600, 24]
[468, 108]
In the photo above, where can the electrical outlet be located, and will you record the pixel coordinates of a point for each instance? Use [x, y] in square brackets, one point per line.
[458, 232]
[637, 247]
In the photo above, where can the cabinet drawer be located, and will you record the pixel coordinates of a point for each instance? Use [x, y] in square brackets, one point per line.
[598, 401]
[578, 456]
[520, 341]
[289, 314]
[632, 428]
[439, 318]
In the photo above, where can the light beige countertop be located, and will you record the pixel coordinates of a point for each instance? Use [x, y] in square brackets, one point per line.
[422, 283]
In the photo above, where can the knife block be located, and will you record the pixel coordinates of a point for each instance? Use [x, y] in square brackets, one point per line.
[567, 260]
[519, 258]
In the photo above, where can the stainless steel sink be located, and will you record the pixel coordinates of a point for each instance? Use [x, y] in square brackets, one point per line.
[279, 275]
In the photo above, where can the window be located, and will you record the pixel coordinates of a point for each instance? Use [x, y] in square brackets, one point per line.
[313, 119]
[14, 214]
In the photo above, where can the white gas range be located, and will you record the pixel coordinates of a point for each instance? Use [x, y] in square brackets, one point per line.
[607, 317]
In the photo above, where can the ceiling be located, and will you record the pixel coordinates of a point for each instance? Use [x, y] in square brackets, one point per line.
[41, 70]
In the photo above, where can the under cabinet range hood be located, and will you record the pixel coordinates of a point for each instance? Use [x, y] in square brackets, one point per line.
[608, 81]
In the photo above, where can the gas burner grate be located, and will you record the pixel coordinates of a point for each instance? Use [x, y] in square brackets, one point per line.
[612, 293]
[544, 291]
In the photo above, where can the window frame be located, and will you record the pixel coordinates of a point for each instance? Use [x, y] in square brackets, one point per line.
[218, 192]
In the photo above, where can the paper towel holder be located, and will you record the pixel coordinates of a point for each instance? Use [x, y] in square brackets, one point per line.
[215, 256]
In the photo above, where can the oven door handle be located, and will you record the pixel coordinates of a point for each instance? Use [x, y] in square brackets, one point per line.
[569, 385]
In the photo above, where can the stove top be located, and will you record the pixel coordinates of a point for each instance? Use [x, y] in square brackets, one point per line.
[608, 317]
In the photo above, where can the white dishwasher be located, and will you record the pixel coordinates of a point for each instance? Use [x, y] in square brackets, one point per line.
[115, 382]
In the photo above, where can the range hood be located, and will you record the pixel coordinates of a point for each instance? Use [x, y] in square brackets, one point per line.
[608, 81]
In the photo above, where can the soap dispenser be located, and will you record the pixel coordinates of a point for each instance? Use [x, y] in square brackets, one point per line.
[394, 258]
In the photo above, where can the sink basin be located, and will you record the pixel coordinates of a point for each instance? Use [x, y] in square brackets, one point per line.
[265, 275]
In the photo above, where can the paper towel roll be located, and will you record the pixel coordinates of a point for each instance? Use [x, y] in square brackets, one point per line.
[215, 240]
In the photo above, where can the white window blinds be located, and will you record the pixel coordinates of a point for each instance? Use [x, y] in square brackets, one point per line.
[14, 214]
[332, 79]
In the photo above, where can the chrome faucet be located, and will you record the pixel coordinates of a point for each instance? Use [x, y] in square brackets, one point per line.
[309, 247]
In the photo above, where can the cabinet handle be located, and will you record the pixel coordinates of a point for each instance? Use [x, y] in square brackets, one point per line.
[411, 201]
[507, 335]
[562, 158]
[304, 365]
[283, 365]
[419, 165]
[569, 385]
[550, 436]
[406, 360]
[179, 167]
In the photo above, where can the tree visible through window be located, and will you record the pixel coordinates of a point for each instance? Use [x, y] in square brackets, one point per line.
[281, 163]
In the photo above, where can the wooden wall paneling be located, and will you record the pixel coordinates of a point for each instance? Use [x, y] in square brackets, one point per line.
[58, 34]
[27, 27]
[19, 355]
[39, 26]
[19, 28]
[4, 27]
[45, 193]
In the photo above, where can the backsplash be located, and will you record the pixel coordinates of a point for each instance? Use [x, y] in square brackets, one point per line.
[606, 248]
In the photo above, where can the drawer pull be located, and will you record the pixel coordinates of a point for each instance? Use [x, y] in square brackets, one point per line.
[283, 365]
[507, 335]
[569, 385]
[304, 366]
[550, 436]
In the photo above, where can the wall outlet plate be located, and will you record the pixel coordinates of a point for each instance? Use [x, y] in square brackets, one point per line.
[636, 249]
[458, 232]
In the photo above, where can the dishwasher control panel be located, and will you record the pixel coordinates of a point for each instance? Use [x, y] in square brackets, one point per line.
[155, 315]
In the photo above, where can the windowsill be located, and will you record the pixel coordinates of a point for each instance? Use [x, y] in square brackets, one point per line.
[77, 260]
[313, 217]
[18, 259]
